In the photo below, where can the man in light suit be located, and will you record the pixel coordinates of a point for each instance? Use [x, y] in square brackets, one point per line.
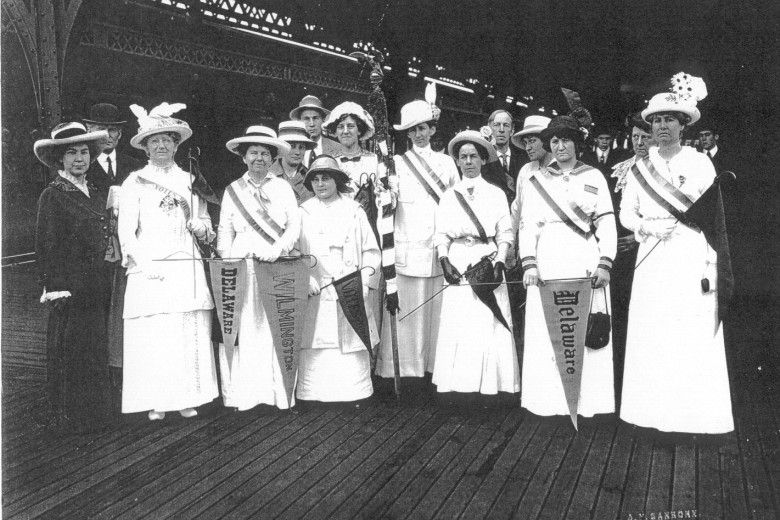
[503, 173]
[312, 113]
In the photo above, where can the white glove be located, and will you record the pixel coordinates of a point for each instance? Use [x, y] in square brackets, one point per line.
[531, 277]
[55, 295]
[660, 229]
[269, 255]
[314, 287]
[198, 228]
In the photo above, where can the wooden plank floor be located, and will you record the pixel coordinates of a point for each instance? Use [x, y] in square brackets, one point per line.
[411, 460]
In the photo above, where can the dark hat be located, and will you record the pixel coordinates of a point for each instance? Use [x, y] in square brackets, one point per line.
[104, 114]
[562, 126]
[325, 164]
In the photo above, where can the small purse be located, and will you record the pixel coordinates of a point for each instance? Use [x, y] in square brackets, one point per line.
[599, 325]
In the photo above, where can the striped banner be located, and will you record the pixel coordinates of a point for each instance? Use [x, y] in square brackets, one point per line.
[568, 211]
[661, 190]
[258, 218]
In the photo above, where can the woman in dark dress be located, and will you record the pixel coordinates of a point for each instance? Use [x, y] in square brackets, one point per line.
[70, 245]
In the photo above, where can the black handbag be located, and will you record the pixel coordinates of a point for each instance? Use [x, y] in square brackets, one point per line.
[599, 325]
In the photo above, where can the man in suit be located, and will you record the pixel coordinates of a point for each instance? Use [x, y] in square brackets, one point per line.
[708, 140]
[603, 156]
[503, 173]
[111, 167]
[312, 113]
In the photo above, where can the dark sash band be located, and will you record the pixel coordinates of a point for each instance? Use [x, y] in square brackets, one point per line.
[472, 216]
[560, 212]
[657, 197]
[267, 220]
[426, 183]
[245, 213]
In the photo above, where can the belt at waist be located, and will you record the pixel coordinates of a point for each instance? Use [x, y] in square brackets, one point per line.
[471, 240]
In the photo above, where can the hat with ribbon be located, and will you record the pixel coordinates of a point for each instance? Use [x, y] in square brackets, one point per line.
[533, 125]
[327, 165]
[475, 138]
[419, 111]
[159, 121]
[49, 151]
[349, 108]
[295, 132]
[686, 91]
[308, 103]
[261, 135]
[104, 114]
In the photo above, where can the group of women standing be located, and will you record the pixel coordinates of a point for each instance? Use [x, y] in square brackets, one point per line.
[451, 231]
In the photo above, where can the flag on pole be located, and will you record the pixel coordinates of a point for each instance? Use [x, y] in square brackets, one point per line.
[566, 306]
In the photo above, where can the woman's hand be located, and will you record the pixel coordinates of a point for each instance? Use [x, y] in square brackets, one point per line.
[531, 277]
[314, 287]
[451, 274]
[660, 229]
[391, 303]
[600, 279]
[269, 255]
[198, 228]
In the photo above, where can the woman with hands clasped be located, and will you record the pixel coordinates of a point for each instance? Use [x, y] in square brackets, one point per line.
[260, 220]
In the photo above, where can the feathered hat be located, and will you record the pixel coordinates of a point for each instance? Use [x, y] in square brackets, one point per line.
[686, 91]
[158, 120]
[419, 111]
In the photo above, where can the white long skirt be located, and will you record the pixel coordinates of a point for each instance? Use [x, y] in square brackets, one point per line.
[563, 254]
[417, 332]
[474, 351]
[168, 362]
[250, 371]
[675, 377]
[329, 375]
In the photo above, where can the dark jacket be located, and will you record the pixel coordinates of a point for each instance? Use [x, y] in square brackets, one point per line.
[125, 164]
[494, 173]
[71, 236]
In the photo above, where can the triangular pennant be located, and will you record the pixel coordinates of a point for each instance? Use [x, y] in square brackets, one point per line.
[228, 284]
[350, 295]
[284, 291]
[566, 305]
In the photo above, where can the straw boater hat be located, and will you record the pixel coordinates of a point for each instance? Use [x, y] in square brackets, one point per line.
[104, 114]
[686, 92]
[325, 164]
[308, 103]
[533, 125]
[295, 132]
[350, 108]
[259, 135]
[158, 121]
[48, 151]
[475, 138]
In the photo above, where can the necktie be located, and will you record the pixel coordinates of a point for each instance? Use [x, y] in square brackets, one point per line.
[603, 159]
[503, 161]
[350, 159]
[110, 170]
[709, 154]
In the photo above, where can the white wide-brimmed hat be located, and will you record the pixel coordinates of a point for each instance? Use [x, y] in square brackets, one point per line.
[349, 108]
[308, 103]
[685, 93]
[475, 138]
[159, 121]
[295, 132]
[259, 134]
[415, 113]
[533, 125]
[46, 150]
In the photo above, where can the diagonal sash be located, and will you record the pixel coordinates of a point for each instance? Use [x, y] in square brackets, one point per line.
[570, 213]
[472, 216]
[180, 199]
[259, 219]
[429, 181]
[661, 190]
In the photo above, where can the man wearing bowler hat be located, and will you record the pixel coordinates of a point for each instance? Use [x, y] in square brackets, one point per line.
[111, 167]
[312, 113]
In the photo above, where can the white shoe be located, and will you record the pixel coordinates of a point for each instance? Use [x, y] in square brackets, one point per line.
[188, 412]
[156, 416]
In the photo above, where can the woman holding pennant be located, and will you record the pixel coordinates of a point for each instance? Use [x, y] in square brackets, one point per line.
[259, 220]
[566, 230]
[335, 364]
[475, 348]
[675, 377]
[168, 360]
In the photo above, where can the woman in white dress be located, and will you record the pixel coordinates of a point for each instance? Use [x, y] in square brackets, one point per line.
[675, 378]
[168, 358]
[475, 352]
[259, 219]
[334, 364]
[550, 248]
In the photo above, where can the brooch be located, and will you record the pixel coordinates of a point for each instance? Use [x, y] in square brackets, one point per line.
[681, 178]
[168, 203]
